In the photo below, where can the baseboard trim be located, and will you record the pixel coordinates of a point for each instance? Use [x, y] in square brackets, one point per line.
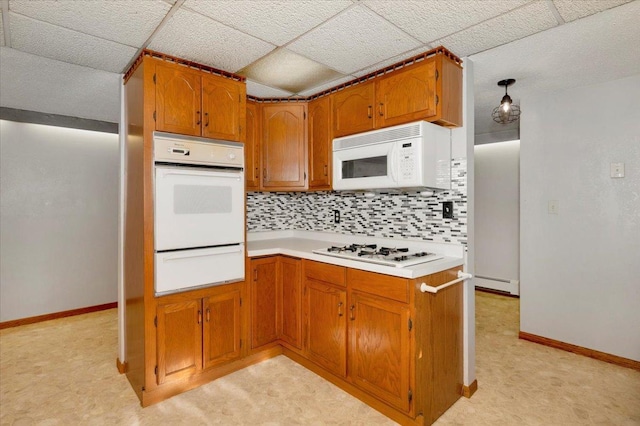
[122, 366]
[468, 391]
[56, 315]
[591, 353]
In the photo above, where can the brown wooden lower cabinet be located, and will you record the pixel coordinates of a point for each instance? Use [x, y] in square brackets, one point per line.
[379, 355]
[198, 333]
[378, 337]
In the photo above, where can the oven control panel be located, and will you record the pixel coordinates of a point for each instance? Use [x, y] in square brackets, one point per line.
[183, 150]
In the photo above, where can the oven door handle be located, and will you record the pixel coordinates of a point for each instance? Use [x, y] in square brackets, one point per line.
[213, 252]
[229, 175]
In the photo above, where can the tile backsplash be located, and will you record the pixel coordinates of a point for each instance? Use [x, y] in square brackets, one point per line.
[389, 215]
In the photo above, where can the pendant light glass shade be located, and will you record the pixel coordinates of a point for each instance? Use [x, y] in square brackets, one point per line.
[506, 112]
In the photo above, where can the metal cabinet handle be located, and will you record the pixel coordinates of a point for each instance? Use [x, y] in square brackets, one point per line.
[380, 109]
[199, 316]
[264, 173]
[255, 274]
[353, 314]
[257, 173]
[206, 114]
[369, 109]
[326, 169]
[340, 309]
[199, 121]
[208, 314]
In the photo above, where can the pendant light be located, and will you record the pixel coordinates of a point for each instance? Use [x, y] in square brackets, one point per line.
[506, 112]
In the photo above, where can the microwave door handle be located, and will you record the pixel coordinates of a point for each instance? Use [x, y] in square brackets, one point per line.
[223, 250]
[394, 163]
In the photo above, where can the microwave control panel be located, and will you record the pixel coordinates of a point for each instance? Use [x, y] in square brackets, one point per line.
[407, 159]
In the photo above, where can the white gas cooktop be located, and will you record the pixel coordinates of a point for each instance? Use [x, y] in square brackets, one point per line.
[372, 253]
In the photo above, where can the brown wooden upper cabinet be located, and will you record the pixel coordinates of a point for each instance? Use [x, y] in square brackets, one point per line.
[320, 143]
[284, 140]
[193, 102]
[428, 90]
[252, 147]
[353, 109]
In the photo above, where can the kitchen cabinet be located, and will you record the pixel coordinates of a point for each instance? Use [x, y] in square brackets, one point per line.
[379, 343]
[353, 109]
[283, 148]
[320, 139]
[325, 316]
[197, 333]
[252, 147]
[179, 339]
[196, 103]
[290, 301]
[430, 90]
[276, 302]
[264, 294]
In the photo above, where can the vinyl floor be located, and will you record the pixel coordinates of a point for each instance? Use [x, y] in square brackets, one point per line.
[62, 372]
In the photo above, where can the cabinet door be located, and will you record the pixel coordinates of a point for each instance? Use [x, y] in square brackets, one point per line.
[326, 326]
[223, 107]
[379, 358]
[178, 100]
[252, 147]
[320, 143]
[353, 110]
[221, 328]
[407, 95]
[179, 339]
[264, 327]
[290, 295]
[283, 146]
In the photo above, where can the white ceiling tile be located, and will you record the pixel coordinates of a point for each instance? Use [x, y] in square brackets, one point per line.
[276, 21]
[570, 10]
[125, 22]
[1, 30]
[429, 20]
[522, 22]
[288, 71]
[51, 41]
[326, 86]
[192, 36]
[40, 84]
[391, 61]
[353, 40]
[261, 91]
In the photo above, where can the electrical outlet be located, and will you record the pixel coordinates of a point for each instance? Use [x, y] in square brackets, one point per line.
[336, 216]
[447, 209]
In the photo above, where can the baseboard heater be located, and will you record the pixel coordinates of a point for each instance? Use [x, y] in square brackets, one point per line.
[511, 287]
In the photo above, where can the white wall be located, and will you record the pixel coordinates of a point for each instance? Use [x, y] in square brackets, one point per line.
[580, 268]
[58, 218]
[497, 215]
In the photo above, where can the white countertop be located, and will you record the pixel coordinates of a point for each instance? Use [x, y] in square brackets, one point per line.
[302, 243]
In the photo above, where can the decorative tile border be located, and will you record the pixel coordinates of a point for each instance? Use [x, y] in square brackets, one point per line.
[388, 215]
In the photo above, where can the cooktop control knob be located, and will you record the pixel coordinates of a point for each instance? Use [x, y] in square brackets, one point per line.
[232, 156]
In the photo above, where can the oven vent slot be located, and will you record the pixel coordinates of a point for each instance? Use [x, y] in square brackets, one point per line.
[379, 136]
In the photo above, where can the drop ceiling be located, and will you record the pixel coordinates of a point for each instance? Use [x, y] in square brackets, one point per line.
[298, 47]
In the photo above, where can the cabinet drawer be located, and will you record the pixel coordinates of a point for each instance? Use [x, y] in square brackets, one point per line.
[325, 272]
[381, 285]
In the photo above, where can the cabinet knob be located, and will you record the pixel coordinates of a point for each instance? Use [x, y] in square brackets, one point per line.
[340, 309]
[369, 108]
[199, 121]
[257, 173]
[353, 313]
[326, 170]
[199, 317]
[208, 314]
[206, 124]
[380, 109]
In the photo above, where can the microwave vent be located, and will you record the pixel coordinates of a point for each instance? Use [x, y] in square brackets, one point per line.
[379, 136]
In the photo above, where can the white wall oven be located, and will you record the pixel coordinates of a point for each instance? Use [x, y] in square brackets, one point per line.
[199, 208]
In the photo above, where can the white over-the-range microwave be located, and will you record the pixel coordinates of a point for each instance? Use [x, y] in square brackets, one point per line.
[411, 156]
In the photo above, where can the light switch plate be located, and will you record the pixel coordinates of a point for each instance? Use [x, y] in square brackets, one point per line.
[617, 170]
